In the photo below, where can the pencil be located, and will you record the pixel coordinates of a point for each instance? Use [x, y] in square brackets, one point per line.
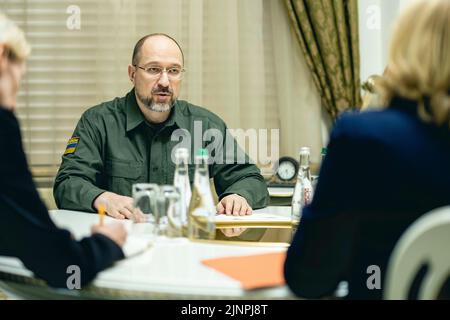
[101, 212]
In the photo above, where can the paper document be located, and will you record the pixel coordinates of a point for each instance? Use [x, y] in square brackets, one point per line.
[252, 271]
[255, 218]
[135, 245]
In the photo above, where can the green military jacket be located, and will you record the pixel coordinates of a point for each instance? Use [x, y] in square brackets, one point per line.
[114, 147]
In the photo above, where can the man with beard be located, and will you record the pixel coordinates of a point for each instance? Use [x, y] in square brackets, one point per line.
[128, 140]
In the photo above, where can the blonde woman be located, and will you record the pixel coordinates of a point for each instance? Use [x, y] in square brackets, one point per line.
[383, 168]
[26, 230]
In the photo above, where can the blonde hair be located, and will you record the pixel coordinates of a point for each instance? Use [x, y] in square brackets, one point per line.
[419, 64]
[14, 39]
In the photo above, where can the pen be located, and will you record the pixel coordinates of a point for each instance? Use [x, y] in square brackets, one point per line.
[101, 212]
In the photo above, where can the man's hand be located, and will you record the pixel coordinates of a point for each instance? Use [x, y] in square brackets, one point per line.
[119, 207]
[115, 231]
[234, 204]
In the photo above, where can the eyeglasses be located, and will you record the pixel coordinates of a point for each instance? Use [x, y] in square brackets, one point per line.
[173, 73]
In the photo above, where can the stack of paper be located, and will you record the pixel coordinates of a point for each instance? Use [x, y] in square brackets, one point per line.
[257, 218]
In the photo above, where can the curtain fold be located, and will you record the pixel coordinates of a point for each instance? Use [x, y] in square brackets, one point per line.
[327, 31]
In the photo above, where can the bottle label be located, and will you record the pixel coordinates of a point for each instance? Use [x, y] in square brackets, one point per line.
[307, 195]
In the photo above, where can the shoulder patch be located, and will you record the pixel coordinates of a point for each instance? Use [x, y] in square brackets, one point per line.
[72, 145]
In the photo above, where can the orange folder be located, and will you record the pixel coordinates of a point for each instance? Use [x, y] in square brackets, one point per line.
[253, 271]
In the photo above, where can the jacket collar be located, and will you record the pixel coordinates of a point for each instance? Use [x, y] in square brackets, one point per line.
[403, 104]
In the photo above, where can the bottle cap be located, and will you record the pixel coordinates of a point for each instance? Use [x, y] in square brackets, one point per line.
[305, 150]
[202, 152]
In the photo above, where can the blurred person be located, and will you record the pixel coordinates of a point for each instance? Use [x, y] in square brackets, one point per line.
[26, 229]
[383, 169]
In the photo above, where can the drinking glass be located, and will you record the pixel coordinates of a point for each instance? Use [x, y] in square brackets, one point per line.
[145, 211]
[168, 207]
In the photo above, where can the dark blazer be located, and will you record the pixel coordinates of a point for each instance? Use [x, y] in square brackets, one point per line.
[26, 230]
[383, 169]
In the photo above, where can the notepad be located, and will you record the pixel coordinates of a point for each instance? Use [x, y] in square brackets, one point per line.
[252, 271]
[139, 238]
[256, 219]
[135, 245]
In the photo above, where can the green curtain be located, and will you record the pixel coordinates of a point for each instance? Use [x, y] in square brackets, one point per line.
[327, 31]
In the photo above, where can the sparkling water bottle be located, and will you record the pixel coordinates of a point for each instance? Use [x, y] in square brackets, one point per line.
[182, 183]
[303, 192]
[202, 211]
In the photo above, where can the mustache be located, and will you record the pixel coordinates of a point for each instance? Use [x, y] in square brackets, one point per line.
[162, 91]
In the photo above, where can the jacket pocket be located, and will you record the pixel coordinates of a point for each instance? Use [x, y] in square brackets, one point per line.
[121, 175]
[123, 169]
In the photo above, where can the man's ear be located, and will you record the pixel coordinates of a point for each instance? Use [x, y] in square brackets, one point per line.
[131, 72]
